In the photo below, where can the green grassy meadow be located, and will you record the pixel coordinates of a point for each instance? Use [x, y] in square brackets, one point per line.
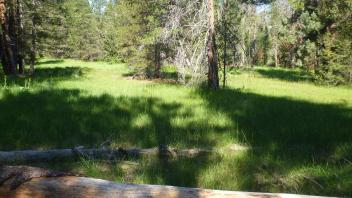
[300, 132]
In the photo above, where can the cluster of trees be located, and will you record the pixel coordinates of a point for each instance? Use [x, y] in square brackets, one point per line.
[309, 34]
[57, 28]
[26, 26]
[11, 28]
[199, 37]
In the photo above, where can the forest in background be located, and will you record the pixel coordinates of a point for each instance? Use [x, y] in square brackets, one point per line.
[315, 36]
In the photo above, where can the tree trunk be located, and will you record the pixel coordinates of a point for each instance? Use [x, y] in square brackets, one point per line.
[243, 53]
[13, 32]
[213, 76]
[20, 65]
[276, 54]
[33, 51]
[30, 182]
[8, 59]
[157, 60]
[225, 41]
[19, 35]
[2, 55]
[234, 56]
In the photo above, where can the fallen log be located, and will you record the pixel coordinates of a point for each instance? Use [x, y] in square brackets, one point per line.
[46, 184]
[9, 157]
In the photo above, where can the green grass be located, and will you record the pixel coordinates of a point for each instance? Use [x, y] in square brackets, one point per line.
[301, 132]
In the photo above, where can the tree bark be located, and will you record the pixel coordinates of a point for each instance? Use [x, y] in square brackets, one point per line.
[8, 59]
[276, 54]
[2, 55]
[225, 41]
[33, 51]
[19, 35]
[157, 60]
[41, 183]
[13, 31]
[213, 76]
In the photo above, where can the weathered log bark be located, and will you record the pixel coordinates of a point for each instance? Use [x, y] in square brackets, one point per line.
[14, 176]
[46, 184]
[105, 154]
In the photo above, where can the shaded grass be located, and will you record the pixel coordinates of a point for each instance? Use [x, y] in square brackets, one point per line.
[290, 75]
[303, 131]
[44, 77]
[276, 121]
[68, 118]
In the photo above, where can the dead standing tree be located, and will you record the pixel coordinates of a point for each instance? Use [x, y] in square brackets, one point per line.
[186, 32]
[213, 76]
[191, 31]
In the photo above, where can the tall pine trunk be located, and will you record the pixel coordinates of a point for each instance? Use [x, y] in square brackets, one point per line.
[213, 76]
[19, 35]
[225, 41]
[33, 51]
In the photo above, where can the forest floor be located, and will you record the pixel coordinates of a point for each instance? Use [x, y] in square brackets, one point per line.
[303, 131]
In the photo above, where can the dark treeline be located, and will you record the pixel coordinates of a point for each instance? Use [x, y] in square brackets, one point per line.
[198, 37]
[30, 29]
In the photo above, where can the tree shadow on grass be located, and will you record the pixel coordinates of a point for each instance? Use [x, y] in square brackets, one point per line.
[62, 118]
[286, 75]
[46, 74]
[268, 121]
[57, 74]
[59, 118]
[299, 147]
